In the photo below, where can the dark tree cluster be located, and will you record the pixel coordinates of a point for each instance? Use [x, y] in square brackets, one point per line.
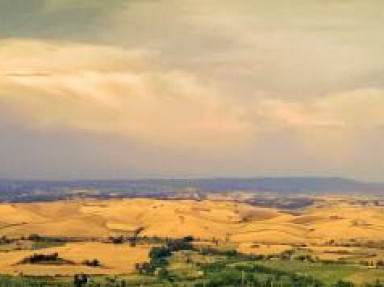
[39, 258]
[92, 263]
[159, 254]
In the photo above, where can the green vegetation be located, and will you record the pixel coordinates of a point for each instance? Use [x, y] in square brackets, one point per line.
[45, 259]
[178, 262]
[32, 242]
[189, 266]
[41, 242]
[8, 281]
[92, 263]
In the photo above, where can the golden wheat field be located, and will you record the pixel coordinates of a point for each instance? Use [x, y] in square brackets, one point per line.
[250, 229]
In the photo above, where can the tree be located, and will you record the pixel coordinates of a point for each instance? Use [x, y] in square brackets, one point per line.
[80, 279]
[92, 263]
[159, 252]
[163, 273]
[342, 283]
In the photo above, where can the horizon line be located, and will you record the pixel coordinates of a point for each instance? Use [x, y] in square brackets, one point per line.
[189, 178]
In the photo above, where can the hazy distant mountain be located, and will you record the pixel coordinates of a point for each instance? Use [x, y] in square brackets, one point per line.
[11, 190]
[290, 184]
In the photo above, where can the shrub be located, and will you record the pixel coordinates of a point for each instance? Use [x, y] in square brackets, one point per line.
[37, 258]
[92, 263]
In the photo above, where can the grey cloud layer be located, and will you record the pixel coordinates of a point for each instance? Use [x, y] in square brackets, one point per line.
[198, 75]
[109, 90]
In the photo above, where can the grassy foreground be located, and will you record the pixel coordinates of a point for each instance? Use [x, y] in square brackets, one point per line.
[179, 263]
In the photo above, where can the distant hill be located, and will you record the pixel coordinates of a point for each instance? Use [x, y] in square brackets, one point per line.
[290, 184]
[14, 190]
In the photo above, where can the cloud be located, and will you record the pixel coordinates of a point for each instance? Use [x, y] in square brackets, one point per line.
[266, 83]
[113, 91]
[356, 109]
[59, 5]
[107, 90]
[329, 126]
[304, 49]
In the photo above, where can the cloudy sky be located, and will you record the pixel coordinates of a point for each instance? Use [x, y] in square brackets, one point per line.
[191, 88]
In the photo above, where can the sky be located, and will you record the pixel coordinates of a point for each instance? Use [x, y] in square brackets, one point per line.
[121, 89]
